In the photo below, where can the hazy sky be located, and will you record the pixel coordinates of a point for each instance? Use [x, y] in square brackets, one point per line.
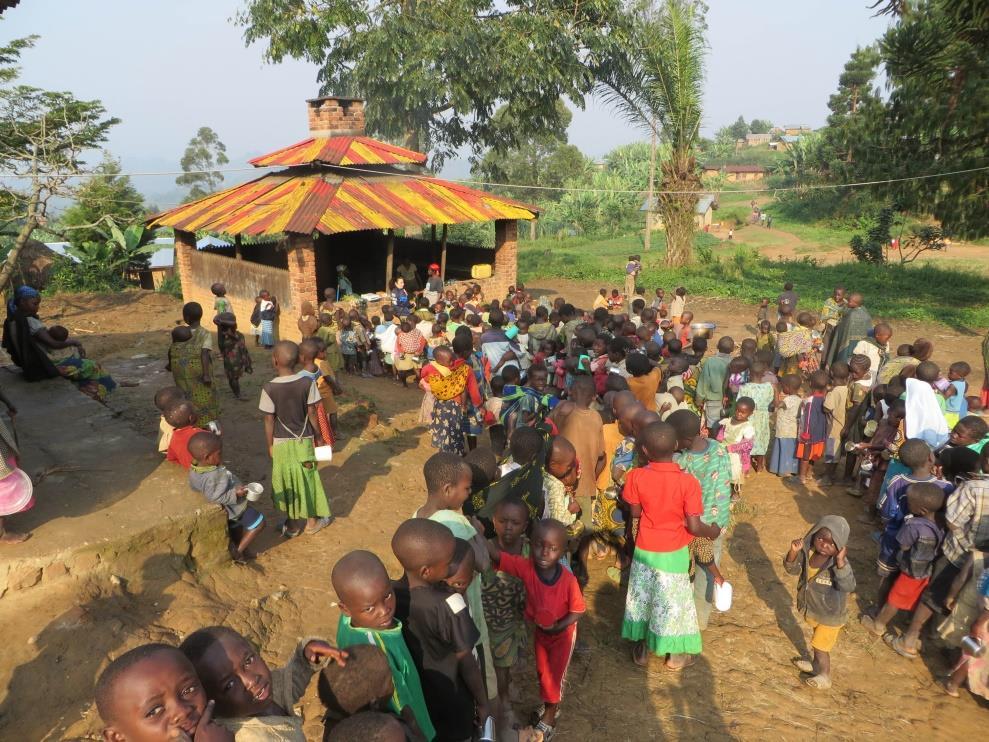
[167, 67]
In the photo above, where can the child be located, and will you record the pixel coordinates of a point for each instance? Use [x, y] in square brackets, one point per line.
[291, 426]
[253, 701]
[955, 404]
[738, 435]
[835, 406]
[601, 300]
[309, 350]
[152, 693]
[919, 542]
[166, 398]
[308, 321]
[220, 306]
[236, 358]
[614, 302]
[812, 426]
[208, 475]
[553, 603]
[643, 380]
[783, 460]
[182, 416]
[503, 596]
[763, 314]
[327, 332]
[367, 604]
[438, 629]
[632, 269]
[659, 303]
[660, 614]
[678, 305]
[267, 312]
[347, 339]
[764, 340]
[329, 389]
[762, 394]
[821, 560]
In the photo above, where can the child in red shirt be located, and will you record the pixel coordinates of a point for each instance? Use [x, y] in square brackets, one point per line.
[665, 503]
[182, 417]
[553, 603]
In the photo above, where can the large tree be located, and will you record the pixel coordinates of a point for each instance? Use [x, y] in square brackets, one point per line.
[108, 195]
[760, 126]
[435, 72]
[43, 137]
[659, 86]
[739, 129]
[855, 107]
[200, 162]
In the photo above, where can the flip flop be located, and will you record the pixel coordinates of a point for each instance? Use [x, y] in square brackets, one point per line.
[320, 525]
[677, 668]
[803, 665]
[946, 687]
[896, 644]
[547, 730]
[818, 682]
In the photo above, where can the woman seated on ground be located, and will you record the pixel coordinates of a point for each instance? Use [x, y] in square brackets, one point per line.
[31, 346]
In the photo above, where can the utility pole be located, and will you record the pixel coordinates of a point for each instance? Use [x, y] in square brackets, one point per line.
[647, 242]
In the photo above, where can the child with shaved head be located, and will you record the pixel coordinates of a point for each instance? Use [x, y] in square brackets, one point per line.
[152, 693]
[208, 475]
[367, 601]
[439, 630]
[289, 403]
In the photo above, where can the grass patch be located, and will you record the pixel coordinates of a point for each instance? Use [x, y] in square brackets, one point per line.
[923, 293]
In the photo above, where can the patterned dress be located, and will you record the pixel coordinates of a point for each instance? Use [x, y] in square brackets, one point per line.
[186, 360]
[762, 394]
[236, 358]
[607, 518]
[503, 596]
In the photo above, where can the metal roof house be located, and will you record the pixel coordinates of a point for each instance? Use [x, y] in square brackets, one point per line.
[338, 200]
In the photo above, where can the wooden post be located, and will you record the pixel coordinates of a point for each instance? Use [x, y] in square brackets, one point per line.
[389, 258]
[442, 252]
[432, 228]
[238, 254]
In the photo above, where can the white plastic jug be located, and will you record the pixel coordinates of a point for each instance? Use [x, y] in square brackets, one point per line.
[722, 596]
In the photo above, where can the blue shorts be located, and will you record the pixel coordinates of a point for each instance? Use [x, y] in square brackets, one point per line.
[249, 520]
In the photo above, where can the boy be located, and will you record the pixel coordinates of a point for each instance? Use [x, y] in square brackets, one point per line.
[632, 269]
[182, 417]
[919, 541]
[709, 394]
[438, 629]
[236, 358]
[678, 304]
[208, 476]
[253, 701]
[152, 693]
[291, 427]
[955, 404]
[553, 603]
[166, 398]
[821, 560]
[835, 406]
[367, 601]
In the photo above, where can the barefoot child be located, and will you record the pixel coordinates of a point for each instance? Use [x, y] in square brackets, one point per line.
[236, 358]
[152, 693]
[812, 426]
[309, 350]
[835, 406]
[554, 604]
[182, 417]
[919, 540]
[253, 701]
[208, 475]
[738, 435]
[438, 630]
[166, 398]
[291, 427]
[821, 560]
[783, 459]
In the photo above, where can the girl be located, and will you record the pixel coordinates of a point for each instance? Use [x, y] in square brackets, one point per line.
[764, 340]
[220, 306]
[783, 461]
[450, 380]
[812, 425]
[347, 337]
[738, 435]
[267, 311]
[309, 351]
[762, 394]
[236, 358]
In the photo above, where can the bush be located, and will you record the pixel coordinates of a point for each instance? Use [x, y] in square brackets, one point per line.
[70, 277]
[172, 285]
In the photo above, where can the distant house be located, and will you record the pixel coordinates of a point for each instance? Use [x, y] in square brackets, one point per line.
[784, 142]
[735, 173]
[756, 140]
[796, 131]
[703, 211]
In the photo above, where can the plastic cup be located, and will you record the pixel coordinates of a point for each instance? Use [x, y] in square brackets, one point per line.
[254, 491]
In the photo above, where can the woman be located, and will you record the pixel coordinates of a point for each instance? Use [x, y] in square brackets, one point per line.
[344, 286]
[268, 312]
[434, 285]
[400, 298]
[16, 493]
[29, 343]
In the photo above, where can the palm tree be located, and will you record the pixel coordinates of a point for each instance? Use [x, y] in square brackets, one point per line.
[659, 87]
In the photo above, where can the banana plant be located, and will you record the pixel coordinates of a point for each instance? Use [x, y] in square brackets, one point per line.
[124, 249]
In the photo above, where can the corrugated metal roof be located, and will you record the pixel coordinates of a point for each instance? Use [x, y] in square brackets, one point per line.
[340, 151]
[304, 200]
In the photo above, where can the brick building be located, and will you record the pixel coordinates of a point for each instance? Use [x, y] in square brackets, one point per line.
[340, 198]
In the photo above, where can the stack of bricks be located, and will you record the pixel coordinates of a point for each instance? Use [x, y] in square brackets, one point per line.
[301, 270]
[336, 117]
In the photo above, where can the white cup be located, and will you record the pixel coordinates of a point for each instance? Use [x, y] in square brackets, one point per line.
[254, 491]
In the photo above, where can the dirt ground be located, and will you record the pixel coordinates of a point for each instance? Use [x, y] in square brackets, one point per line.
[743, 687]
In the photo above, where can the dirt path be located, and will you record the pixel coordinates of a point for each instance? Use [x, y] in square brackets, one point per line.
[742, 688]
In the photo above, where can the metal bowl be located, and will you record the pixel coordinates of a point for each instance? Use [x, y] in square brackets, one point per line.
[702, 329]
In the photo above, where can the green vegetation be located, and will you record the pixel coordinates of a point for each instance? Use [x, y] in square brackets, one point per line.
[892, 291]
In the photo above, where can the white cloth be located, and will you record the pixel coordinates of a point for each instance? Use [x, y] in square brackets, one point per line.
[386, 338]
[924, 418]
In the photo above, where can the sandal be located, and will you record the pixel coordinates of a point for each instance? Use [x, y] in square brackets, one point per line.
[946, 686]
[547, 730]
[321, 523]
[803, 665]
[677, 668]
[818, 682]
[288, 532]
[897, 645]
[872, 627]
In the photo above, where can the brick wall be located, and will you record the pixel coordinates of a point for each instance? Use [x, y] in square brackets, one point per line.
[336, 116]
[301, 271]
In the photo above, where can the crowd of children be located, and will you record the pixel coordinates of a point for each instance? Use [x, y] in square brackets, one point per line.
[565, 436]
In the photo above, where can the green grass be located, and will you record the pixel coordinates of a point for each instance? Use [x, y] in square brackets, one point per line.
[927, 293]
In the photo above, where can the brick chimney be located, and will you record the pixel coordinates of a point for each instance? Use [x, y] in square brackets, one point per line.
[333, 116]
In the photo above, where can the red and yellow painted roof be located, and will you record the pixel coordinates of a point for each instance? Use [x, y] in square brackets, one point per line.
[340, 151]
[302, 200]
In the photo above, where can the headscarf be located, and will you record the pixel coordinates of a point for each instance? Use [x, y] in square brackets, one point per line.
[22, 292]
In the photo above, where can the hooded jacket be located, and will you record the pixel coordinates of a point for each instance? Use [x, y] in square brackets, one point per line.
[824, 599]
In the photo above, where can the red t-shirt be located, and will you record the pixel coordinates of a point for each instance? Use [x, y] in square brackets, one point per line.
[544, 604]
[667, 495]
[178, 449]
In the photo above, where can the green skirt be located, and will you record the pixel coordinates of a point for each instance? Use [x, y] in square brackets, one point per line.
[659, 606]
[296, 487]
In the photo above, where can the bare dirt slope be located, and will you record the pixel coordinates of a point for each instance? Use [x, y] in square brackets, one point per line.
[743, 687]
